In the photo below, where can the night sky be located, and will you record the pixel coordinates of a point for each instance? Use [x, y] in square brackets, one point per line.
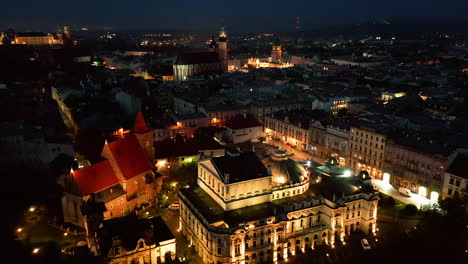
[207, 15]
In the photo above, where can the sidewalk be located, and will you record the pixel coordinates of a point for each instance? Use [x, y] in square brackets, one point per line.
[389, 190]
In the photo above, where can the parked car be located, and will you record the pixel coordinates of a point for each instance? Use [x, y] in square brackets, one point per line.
[365, 244]
[174, 206]
[404, 191]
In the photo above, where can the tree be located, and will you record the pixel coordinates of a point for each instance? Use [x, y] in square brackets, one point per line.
[410, 210]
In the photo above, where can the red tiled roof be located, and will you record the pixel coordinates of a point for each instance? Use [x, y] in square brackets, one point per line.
[130, 157]
[140, 126]
[96, 177]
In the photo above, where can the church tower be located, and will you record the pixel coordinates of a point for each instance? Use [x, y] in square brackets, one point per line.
[145, 136]
[276, 51]
[222, 49]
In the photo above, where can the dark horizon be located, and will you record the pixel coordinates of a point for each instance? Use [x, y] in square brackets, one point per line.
[209, 15]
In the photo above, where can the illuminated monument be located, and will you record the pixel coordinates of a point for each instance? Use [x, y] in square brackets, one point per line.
[245, 210]
[275, 61]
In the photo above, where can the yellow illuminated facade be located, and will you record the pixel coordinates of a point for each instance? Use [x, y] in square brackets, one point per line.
[367, 150]
[257, 63]
[257, 230]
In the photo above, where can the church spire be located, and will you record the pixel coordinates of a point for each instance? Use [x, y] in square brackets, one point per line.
[222, 34]
[140, 126]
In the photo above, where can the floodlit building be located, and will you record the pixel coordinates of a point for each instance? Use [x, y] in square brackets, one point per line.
[213, 60]
[367, 149]
[455, 179]
[245, 210]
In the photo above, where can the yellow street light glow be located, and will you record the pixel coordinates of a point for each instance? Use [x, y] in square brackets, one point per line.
[32, 209]
[35, 251]
[19, 229]
[65, 234]
[147, 213]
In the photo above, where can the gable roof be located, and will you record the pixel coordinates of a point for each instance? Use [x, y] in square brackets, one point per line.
[130, 229]
[129, 156]
[240, 167]
[140, 126]
[459, 166]
[96, 177]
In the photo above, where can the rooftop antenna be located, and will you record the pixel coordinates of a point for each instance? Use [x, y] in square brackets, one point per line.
[298, 24]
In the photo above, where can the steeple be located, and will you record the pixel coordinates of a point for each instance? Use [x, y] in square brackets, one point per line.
[222, 35]
[140, 126]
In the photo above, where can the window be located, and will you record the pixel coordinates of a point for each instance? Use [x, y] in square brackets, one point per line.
[450, 191]
[219, 251]
[116, 250]
[141, 244]
[457, 183]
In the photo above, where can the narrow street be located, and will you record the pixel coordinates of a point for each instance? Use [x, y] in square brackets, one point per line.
[171, 217]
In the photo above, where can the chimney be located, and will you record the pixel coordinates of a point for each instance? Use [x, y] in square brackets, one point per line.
[226, 177]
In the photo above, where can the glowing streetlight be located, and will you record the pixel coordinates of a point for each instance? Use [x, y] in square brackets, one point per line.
[35, 251]
[32, 209]
[347, 173]
[65, 234]
[19, 230]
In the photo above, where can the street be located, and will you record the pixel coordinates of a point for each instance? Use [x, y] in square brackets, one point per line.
[389, 190]
[171, 217]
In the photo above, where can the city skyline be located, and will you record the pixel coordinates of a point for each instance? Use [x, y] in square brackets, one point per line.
[207, 15]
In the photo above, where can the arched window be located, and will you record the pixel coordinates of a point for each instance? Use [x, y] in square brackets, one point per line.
[315, 236]
[324, 234]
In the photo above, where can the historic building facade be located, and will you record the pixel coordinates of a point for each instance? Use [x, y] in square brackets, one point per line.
[230, 217]
[213, 60]
[420, 171]
[367, 149]
[291, 127]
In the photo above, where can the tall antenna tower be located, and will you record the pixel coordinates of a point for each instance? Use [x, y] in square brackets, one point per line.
[298, 24]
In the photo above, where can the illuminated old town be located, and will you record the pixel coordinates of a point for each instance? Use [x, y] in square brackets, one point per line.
[259, 132]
